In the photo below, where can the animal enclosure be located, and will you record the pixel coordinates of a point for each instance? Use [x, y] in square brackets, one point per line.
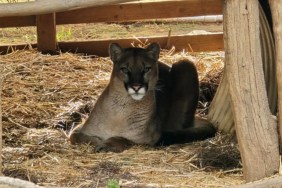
[62, 86]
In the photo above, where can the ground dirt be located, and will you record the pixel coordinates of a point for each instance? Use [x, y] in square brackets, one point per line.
[44, 96]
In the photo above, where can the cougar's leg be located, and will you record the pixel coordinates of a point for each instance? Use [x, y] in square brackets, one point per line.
[184, 95]
[202, 130]
[78, 137]
[114, 144]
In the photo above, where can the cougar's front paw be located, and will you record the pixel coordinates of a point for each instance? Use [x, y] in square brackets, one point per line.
[104, 147]
[114, 144]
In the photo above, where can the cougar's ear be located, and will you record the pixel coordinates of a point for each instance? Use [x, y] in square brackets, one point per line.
[154, 51]
[115, 51]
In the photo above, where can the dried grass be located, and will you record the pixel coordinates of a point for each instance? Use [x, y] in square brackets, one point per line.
[44, 96]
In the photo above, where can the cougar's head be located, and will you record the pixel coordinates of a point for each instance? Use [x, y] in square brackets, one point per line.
[136, 68]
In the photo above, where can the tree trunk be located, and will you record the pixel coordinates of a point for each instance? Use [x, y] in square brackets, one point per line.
[275, 182]
[50, 6]
[1, 127]
[276, 11]
[220, 113]
[256, 128]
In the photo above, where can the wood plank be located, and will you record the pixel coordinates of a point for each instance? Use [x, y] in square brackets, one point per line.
[256, 128]
[125, 12]
[100, 47]
[47, 7]
[140, 11]
[46, 33]
[276, 10]
[211, 42]
[220, 113]
[17, 21]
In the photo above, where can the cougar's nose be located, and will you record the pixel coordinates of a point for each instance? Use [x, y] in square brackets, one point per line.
[136, 87]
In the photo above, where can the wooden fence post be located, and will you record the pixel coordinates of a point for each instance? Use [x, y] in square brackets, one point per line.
[1, 127]
[276, 11]
[46, 33]
[256, 128]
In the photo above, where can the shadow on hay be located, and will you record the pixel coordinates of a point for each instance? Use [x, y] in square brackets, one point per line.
[220, 152]
[75, 117]
[20, 174]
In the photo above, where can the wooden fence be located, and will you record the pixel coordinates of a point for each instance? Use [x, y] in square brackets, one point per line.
[46, 26]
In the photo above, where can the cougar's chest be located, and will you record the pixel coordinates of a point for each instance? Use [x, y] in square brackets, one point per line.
[126, 118]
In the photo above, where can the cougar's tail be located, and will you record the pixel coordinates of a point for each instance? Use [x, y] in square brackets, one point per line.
[202, 130]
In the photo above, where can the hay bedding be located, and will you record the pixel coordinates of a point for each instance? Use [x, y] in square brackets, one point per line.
[44, 96]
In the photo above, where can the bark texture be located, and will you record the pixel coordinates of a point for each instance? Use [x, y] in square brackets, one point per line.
[276, 11]
[256, 128]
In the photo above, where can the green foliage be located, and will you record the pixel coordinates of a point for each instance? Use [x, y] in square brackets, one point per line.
[64, 34]
[29, 38]
[113, 184]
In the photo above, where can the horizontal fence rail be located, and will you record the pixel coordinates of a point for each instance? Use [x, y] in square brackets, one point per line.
[189, 43]
[125, 12]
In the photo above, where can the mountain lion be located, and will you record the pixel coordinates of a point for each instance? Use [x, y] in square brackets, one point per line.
[145, 102]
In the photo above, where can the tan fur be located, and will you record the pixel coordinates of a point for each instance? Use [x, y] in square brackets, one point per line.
[118, 120]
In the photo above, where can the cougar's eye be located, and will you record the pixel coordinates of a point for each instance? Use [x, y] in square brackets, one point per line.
[147, 69]
[124, 70]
